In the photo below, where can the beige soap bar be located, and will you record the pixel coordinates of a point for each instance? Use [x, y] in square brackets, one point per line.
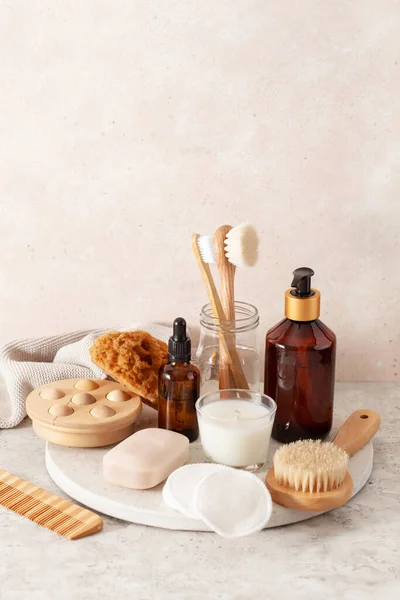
[146, 458]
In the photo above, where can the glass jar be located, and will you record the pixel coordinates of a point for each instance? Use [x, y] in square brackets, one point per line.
[242, 336]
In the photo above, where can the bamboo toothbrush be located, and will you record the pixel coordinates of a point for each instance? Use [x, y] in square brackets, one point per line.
[230, 355]
[230, 247]
[310, 475]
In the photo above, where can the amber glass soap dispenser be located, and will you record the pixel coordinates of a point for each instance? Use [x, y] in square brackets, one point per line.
[300, 365]
[179, 386]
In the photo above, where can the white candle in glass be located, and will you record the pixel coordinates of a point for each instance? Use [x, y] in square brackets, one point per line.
[236, 432]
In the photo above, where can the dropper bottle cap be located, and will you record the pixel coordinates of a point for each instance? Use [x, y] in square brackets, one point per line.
[302, 302]
[179, 344]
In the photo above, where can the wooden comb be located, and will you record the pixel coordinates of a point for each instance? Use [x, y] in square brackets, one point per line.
[34, 503]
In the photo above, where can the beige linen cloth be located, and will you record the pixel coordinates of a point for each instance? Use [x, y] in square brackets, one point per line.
[28, 363]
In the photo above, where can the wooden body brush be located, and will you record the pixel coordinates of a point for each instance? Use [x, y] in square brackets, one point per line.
[310, 475]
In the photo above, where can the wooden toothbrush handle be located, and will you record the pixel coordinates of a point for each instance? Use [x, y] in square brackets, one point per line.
[218, 312]
[357, 430]
[227, 273]
[227, 294]
[208, 280]
[227, 278]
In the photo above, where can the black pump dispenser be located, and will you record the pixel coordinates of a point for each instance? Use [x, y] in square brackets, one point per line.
[179, 344]
[302, 282]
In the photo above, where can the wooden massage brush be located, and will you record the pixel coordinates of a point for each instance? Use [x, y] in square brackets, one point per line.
[310, 475]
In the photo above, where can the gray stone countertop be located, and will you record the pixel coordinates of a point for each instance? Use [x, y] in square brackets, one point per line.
[351, 553]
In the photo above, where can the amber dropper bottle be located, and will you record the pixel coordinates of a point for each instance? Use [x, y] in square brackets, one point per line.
[179, 386]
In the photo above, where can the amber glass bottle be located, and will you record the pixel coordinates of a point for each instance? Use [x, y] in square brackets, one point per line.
[300, 365]
[179, 386]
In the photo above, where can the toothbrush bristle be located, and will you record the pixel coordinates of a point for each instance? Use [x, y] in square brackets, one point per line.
[206, 248]
[241, 245]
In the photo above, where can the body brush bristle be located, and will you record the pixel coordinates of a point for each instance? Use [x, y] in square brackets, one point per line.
[241, 245]
[310, 466]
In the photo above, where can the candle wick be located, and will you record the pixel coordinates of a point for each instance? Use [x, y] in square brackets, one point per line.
[237, 413]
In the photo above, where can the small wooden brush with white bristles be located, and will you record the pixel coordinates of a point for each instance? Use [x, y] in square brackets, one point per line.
[312, 475]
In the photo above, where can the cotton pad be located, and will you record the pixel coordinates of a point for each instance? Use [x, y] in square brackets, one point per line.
[168, 497]
[233, 503]
[178, 492]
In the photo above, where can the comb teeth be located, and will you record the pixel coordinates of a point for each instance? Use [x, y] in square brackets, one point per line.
[206, 248]
[34, 503]
[310, 466]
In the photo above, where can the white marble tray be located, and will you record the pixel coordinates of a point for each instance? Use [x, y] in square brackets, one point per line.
[78, 472]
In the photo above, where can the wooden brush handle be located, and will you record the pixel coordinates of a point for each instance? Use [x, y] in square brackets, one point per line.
[232, 359]
[208, 280]
[226, 274]
[227, 280]
[227, 294]
[357, 430]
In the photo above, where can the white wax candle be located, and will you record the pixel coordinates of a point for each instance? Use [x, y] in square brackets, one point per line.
[235, 432]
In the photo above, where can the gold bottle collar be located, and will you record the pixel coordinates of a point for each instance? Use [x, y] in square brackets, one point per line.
[302, 309]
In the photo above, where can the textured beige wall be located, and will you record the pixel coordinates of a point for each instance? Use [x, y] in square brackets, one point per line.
[125, 126]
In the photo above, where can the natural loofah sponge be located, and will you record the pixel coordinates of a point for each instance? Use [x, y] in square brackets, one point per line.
[132, 358]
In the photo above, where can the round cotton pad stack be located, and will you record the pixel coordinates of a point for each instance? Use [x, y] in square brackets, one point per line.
[233, 503]
[178, 492]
